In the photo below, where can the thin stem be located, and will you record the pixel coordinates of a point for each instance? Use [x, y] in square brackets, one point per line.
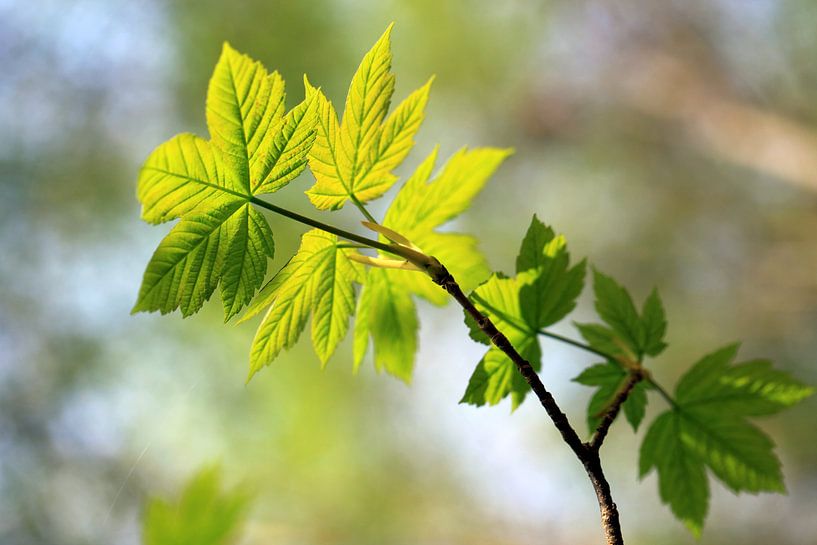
[660, 389]
[367, 242]
[362, 208]
[577, 344]
[648, 377]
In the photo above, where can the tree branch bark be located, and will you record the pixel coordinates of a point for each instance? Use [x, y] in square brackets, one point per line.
[585, 452]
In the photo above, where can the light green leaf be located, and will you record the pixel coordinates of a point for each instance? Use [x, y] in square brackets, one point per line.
[419, 208]
[361, 331]
[243, 103]
[354, 159]
[287, 149]
[185, 268]
[422, 206]
[180, 176]
[543, 292]
[317, 279]
[392, 323]
[203, 515]
[254, 148]
[245, 262]
[334, 302]
[496, 376]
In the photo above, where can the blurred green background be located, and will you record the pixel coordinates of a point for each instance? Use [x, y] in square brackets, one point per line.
[673, 142]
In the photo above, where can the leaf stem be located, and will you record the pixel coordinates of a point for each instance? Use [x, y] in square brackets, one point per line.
[577, 344]
[367, 242]
[362, 208]
[647, 376]
[660, 389]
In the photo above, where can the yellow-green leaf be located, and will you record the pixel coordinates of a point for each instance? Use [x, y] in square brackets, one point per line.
[354, 159]
[318, 278]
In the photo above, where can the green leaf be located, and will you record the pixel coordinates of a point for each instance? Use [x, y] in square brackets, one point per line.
[204, 514]
[355, 159]
[246, 259]
[493, 378]
[184, 270]
[708, 428]
[318, 280]
[750, 388]
[422, 206]
[496, 377]
[682, 482]
[543, 292]
[180, 176]
[738, 453]
[610, 378]
[616, 308]
[531, 253]
[553, 293]
[655, 324]
[334, 304]
[603, 339]
[419, 208]
[629, 334]
[254, 148]
[391, 320]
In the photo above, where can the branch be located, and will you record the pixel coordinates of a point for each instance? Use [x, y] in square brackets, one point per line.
[586, 454]
[610, 415]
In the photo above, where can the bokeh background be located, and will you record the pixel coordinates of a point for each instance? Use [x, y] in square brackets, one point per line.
[673, 142]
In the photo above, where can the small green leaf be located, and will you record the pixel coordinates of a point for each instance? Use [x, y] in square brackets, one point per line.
[317, 279]
[682, 482]
[354, 159]
[392, 322]
[204, 514]
[616, 308]
[246, 259]
[496, 377]
[531, 253]
[749, 389]
[180, 176]
[610, 378]
[604, 339]
[655, 324]
[184, 270]
[707, 427]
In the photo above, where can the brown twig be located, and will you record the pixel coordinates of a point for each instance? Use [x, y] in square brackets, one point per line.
[636, 375]
[586, 454]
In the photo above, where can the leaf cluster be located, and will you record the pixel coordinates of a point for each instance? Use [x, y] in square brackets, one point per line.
[222, 240]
